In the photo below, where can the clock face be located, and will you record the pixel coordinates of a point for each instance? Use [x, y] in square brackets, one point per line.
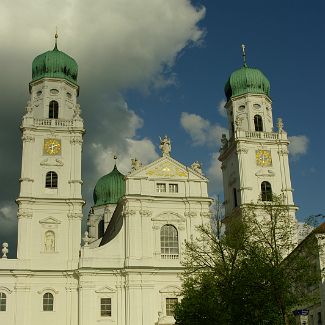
[52, 147]
[263, 158]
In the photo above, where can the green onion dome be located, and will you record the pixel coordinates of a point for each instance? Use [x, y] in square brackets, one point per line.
[247, 80]
[109, 188]
[55, 64]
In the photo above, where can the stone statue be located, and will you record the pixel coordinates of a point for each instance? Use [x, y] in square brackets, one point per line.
[4, 250]
[280, 125]
[76, 112]
[29, 108]
[49, 241]
[196, 166]
[136, 164]
[238, 122]
[224, 142]
[165, 146]
[86, 238]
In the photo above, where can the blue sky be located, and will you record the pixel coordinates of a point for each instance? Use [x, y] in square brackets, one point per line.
[153, 67]
[287, 43]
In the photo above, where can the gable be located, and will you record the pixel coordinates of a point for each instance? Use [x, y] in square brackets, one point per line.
[169, 216]
[166, 167]
[105, 289]
[50, 220]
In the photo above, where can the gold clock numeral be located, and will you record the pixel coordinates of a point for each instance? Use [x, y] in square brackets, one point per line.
[52, 147]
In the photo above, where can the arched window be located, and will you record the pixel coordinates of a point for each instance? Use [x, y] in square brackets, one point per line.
[258, 122]
[266, 190]
[48, 301]
[101, 228]
[169, 242]
[49, 241]
[53, 109]
[51, 180]
[3, 301]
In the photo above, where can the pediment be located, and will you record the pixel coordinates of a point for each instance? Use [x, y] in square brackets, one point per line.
[170, 289]
[105, 289]
[50, 220]
[169, 216]
[166, 168]
[263, 172]
[51, 162]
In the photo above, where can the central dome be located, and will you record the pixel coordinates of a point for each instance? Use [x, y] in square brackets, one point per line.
[247, 80]
[109, 188]
[55, 64]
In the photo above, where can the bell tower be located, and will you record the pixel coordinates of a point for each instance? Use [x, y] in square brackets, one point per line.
[255, 155]
[50, 201]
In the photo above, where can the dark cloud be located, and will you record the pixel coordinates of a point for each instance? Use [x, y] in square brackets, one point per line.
[118, 45]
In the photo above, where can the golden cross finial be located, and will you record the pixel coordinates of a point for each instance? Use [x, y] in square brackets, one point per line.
[243, 47]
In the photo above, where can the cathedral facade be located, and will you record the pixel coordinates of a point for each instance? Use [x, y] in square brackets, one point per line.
[125, 268]
[126, 271]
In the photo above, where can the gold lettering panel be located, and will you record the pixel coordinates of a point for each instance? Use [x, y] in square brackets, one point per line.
[166, 169]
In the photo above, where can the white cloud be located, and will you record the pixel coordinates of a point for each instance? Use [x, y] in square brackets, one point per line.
[298, 145]
[8, 211]
[143, 150]
[201, 131]
[8, 220]
[214, 174]
[118, 45]
[221, 108]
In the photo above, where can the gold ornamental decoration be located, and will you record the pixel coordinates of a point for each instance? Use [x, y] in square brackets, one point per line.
[52, 147]
[263, 158]
[166, 169]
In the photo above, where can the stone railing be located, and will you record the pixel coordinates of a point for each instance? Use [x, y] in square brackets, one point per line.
[262, 135]
[169, 256]
[53, 122]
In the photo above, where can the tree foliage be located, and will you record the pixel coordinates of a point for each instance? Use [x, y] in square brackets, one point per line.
[241, 276]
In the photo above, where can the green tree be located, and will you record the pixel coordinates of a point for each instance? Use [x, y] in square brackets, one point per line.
[241, 276]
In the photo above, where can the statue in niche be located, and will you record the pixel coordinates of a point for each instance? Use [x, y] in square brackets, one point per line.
[49, 241]
[136, 164]
[165, 146]
[196, 166]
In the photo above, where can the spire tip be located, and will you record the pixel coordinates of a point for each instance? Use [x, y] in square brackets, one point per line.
[243, 47]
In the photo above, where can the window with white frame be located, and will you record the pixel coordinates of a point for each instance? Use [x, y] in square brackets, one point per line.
[170, 306]
[169, 242]
[48, 301]
[53, 109]
[173, 188]
[105, 307]
[266, 190]
[161, 187]
[51, 180]
[3, 301]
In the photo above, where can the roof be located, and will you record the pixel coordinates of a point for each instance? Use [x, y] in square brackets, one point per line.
[55, 64]
[109, 188]
[247, 80]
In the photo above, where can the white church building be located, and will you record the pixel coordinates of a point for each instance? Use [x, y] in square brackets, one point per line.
[126, 271]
